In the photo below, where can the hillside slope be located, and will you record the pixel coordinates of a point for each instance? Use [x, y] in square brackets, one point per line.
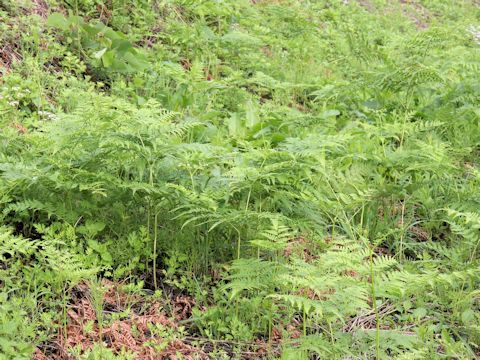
[239, 179]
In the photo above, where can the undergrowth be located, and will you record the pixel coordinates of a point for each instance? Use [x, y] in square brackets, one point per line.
[305, 171]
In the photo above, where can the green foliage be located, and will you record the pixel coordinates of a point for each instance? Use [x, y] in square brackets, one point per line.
[34, 277]
[308, 170]
[100, 42]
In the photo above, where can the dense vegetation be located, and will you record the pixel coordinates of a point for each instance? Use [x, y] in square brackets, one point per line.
[301, 175]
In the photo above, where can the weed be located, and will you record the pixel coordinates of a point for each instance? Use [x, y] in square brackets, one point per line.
[294, 179]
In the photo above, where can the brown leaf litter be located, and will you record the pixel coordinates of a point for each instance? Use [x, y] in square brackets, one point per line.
[132, 329]
[302, 248]
[124, 322]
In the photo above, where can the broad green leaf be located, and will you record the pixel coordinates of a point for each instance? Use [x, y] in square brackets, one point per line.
[137, 61]
[330, 113]
[100, 53]
[235, 126]
[58, 20]
[108, 58]
[468, 316]
[251, 116]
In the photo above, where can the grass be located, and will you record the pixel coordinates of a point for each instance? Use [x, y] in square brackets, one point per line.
[239, 179]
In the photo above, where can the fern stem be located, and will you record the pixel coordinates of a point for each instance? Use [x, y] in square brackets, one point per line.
[248, 199]
[304, 322]
[375, 308]
[270, 325]
[330, 330]
[149, 214]
[192, 181]
[402, 235]
[239, 242]
[155, 237]
[64, 312]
